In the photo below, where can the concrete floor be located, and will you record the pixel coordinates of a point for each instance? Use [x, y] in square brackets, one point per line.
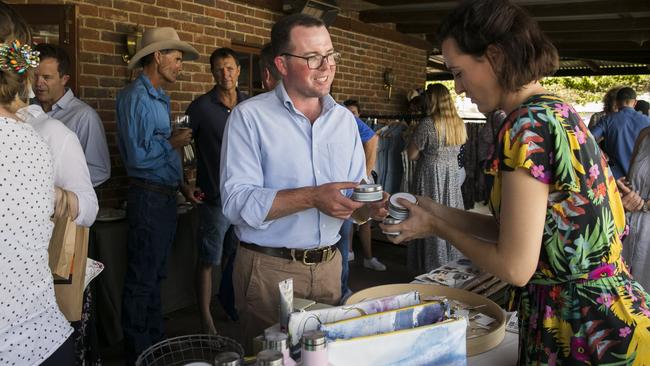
[186, 321]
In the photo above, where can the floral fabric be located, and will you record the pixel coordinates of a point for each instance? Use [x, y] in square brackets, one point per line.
[581, 305]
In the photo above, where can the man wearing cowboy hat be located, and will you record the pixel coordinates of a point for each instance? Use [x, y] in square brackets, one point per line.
[149, 150]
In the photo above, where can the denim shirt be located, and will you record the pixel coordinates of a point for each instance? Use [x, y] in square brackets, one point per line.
[271, 146]
[143, 127]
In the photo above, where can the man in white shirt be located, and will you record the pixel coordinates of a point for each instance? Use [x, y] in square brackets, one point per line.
[59, 102]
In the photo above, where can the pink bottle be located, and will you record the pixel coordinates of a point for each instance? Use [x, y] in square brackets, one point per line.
[314, 349]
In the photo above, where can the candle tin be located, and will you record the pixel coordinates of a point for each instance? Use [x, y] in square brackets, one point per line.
[269, 357]
[391, 221]
[396, 210]
[368, 193]
[227, 359]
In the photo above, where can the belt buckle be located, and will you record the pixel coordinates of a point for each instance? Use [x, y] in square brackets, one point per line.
[304, 257]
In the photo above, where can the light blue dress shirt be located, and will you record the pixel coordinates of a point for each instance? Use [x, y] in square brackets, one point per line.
[143, 131]
[86, 124]
[270, 146]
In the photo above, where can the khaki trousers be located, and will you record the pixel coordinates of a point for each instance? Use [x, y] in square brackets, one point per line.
[257, 296]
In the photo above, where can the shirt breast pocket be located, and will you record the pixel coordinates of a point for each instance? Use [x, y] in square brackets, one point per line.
[337, 157]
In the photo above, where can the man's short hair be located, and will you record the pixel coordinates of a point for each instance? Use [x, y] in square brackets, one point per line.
[53, 51]
[281, 31]
[353, 103]
[266, 61]
[221, 53]
[643, 107]
[624, 94]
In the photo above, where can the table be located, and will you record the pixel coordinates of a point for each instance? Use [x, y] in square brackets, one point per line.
[108, 244]
[505, 354]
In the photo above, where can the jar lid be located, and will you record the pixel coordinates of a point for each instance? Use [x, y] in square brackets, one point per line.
[227, 359]
[276, 341]
[407, 196]
[367, 188]
[269, 357]
[313, 338]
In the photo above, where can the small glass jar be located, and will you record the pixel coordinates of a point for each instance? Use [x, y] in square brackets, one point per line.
[368, 193]
[391, 221]
[227, 359]
[269, 357]
[314, 349]
[395, 209]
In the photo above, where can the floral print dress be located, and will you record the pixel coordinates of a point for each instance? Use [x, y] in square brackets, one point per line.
[581, 306]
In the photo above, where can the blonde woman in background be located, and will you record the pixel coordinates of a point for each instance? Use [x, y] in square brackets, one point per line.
[435, 145]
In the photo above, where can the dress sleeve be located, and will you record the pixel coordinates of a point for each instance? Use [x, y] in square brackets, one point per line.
[536, 138]
[422, 133]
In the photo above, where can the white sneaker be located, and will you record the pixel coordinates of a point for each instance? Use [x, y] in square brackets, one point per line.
[350, 256]
[374, 264]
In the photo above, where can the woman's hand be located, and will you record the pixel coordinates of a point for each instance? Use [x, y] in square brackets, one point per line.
[420, 224]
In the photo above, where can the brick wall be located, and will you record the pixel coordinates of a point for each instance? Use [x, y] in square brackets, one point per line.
[208, 24]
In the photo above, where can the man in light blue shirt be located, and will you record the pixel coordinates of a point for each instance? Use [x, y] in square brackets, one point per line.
[59, 102]
[288, 157]
[150, 151]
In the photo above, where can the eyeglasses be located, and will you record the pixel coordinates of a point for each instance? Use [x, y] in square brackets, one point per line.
[316, 61]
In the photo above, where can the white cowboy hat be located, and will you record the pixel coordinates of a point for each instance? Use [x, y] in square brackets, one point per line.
[164, 38]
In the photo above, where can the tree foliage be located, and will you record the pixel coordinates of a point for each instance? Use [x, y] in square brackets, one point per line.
[583, 89]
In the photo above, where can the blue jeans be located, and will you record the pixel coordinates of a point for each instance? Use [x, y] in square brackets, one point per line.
[344, 248]
[152, 226]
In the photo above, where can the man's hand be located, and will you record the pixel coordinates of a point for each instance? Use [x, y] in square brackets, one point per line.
[328, 199]
[180, 137]
[632, 202]
[191, 193]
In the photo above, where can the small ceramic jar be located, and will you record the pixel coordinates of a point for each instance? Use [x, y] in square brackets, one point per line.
[368, 193]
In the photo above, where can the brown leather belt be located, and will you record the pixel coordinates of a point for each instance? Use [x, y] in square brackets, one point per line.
[154, 187]
[306, 256]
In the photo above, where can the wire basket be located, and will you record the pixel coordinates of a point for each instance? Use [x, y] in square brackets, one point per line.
[187, 349]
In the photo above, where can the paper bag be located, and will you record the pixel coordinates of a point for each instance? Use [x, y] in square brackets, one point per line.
[69, 292]
[62, 247]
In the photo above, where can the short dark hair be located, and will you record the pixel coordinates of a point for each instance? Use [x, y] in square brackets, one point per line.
[48, 50]
[624, 94]
[527, 54]
[221, 53]
[266, 61]
[281, 31]
[642, 106]
[353, 103]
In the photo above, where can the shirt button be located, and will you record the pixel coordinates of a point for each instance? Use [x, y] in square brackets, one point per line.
[324, 225]
[318, 171]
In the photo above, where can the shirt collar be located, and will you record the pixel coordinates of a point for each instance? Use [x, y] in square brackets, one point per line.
[327, 102]
[214, 96]
[65, 100]
[156, 93]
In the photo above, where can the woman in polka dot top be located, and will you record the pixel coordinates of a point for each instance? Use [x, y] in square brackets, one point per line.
[32, 329]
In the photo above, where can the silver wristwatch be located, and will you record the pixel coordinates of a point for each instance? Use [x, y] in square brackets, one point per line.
[646, 206]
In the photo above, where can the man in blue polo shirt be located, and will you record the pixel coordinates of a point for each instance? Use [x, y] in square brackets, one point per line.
[208, 114]
[620, 131]
[151, 154]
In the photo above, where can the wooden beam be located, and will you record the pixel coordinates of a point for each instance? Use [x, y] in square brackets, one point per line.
[639, 37]
[641, 70]
[600, 25]
[370, 30]
[556, 9]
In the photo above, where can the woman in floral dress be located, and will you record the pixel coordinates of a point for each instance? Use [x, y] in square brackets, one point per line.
[558, 218]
